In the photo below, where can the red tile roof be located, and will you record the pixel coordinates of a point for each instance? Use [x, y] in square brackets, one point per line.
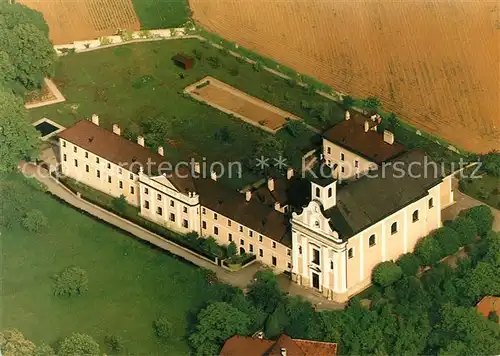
[489, 304]
[351, 135]
[249, 346]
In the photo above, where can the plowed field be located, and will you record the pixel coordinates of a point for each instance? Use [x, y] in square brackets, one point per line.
[75, 20]
[435, 63]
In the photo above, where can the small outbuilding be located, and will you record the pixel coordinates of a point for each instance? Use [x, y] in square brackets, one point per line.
[183, 61]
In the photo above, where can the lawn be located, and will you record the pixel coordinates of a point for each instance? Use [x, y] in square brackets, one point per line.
[485, 188]
[127, 84]
[130, 283]
[156, 14]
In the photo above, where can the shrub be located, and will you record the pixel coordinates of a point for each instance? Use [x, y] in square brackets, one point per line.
[257, 66]
[79, 344]
[71, 281]
[105, 41]
[409, 263]
[465, 228]
[482, 217]
[44, 350]
[428, 250]
[386, 273]
[231, 249]
[34, 221]
[211, 246]
[113, 343]
[296, 128]
[291, 82]
[493, 316]
[448, 240]
[347, 101]
[162, 328]
[491, 163]
[214, 61]
[371, 103]
[120, 204]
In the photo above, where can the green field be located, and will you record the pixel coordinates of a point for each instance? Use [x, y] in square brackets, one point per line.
[130, 283]
[156, 14]
[127, 84]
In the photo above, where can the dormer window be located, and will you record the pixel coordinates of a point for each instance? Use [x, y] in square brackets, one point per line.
[318, 192]
[316, 224]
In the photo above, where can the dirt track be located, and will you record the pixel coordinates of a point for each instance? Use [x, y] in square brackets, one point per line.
[436, 64]
[76, 20]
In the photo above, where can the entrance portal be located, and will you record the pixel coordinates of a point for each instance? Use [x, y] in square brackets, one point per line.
[315, 280]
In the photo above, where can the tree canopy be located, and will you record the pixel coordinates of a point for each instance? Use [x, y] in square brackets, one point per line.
[79, 344]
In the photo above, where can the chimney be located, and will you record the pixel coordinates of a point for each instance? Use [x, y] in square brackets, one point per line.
[388, 137]
[367, 126]
[95, 119]
[270, 184]
[161, 151]
[283, 351]
[213, 176]
[347, 115]
[248, 195]
[277, 206]
[373, 117]
[116, 129]
[140, 140]
[289, 173]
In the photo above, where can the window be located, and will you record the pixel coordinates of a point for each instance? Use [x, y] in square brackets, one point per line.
[158, 196]
[288, 252]
[342, 157]
[131, 176]
[273, 260]
[86, 168]
[64, 157]
[242, 242]
[318, 193]
[260, 238]
[300, 250]
[172, 203]
[146, 190]
[331, 265]
[146, 204]
[228, 222]
[250, 248]
[185, 209]
[216, 230]
[86, 155]
[289, 265]
[315, 258]
[98, 174]
[121, 184]
[97, 160]
[250, 233]
[415, 216]
[371, 240]
[74, 149]
[431, 203]
[330, 192]
[131, 190]
[215, 216]
[394, 228]
[329, 150]
[119, 171]
[64, 143]
[109, 165]
[274, 244]
[230, 237]
[172, 217]
[241, 228]
[159, 211]
[204, 224]
[350, 253]
[76, 163]
[261, 253]
[356, 163]
[185, 223]
[109, 179]
[342, 169]
[204, 211]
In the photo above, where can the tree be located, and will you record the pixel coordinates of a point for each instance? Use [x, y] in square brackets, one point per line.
[276, 323]
[347, 101]
[491, 163]
[114, 344]
[163, 328]
[217, 323]
[72, 281]
[79, 344]
[466, 230]
[268, 147]
[156, 130]
[16, 13]
[34, 221]
[300, 318]
[231, 249]
[371, 103]
[120, 204]
[428, 250]
[409, 263]
[296, 128]
[264, 291]
[44, 350]
[13, 343]
[386, 273]
[482, 217]
[484, 279]
[448, 240]
[18, 138]
[211, 246]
